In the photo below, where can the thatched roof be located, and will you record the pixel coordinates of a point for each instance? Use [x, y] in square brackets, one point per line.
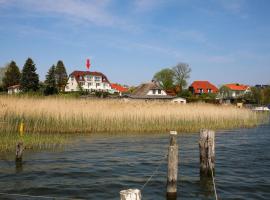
[144, 88]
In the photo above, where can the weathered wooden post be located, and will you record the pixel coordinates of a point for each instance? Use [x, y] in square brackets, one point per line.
[130, 194]
[19, 151]
[172, 166]
[207, 152]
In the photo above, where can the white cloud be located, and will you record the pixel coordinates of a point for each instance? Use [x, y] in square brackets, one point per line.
[91, 11]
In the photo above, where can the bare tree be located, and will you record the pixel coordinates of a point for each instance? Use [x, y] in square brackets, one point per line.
[181, 74]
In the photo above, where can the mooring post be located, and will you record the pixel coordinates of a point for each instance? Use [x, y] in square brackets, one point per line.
[19, 151]
[172, 166]
[207, 152]
[130, 194]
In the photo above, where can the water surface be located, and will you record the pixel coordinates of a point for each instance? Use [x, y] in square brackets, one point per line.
[99, 166]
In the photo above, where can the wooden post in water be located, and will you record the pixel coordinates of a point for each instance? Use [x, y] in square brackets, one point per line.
[19, 151]
[207, 152]
[172, 166]
[130, 194]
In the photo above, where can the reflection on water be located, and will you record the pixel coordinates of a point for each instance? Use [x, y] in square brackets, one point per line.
[98, 167]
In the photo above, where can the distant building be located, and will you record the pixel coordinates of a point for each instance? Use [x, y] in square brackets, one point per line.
[87, 81]
[202, 87]
[233, 91]
[118, 88]
[15, 89]
[262, 86]
[152, 91]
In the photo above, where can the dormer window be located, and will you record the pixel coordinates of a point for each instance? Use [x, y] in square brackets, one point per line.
[209, 90]
[97, 78]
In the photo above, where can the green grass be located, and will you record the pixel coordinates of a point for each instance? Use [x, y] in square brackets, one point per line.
[32, 141]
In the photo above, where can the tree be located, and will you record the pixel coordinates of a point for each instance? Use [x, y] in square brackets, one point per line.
[29, 80]
[2, 73]
[181, 74]
[12, 75]
[50, 82]
[165, 78]
[61, 75]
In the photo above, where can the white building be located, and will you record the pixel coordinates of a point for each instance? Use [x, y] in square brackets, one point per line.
[15, 89]
[88, 81]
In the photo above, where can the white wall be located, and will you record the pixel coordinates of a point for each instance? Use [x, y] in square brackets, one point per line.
[151, 92]
[88, 84]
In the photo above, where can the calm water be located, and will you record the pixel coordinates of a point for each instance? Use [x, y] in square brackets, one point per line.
[98, 167]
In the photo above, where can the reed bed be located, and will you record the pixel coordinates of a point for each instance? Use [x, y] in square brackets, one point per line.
[32, 141]
[61, 115]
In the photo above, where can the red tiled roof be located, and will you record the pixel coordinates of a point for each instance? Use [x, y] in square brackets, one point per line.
[118, 87]
[205, 85]
[79, 75]
[237, 87]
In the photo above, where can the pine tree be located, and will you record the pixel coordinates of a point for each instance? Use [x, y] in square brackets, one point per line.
[50, 82]
[12, 75]
[61, 75]
[29, 80]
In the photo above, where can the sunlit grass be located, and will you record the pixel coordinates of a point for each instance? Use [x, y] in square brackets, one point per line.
[62, 115]
[32, 141]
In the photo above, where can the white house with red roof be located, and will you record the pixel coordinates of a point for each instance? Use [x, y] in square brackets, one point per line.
[118, 88]
[203, 87]
[88, 81]
[234, 90]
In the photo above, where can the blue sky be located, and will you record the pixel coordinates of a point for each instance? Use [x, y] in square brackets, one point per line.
[223, 41]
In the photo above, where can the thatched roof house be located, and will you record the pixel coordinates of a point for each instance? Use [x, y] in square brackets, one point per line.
[150, 90]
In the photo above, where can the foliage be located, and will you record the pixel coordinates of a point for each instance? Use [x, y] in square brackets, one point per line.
[101, 94]
[50, 82]
[259, 96]
[181, 74]
[2, 73]
[12, 75]
[29, 80]
[185, 93]
[61, 75]
[165, 78]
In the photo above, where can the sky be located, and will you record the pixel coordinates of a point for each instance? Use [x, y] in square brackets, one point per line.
[223, 41]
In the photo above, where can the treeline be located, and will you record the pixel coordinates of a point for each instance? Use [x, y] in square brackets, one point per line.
[28, 78]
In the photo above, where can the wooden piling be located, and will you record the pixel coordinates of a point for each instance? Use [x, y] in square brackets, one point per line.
[130, 194]
[172, 166]
[19, 151]
[207, 152]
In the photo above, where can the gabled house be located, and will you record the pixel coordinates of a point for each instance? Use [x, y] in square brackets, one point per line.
[150, 90]
[233, 91]
[202, 87]
[118, 88]
[87, 81]
[15, 89]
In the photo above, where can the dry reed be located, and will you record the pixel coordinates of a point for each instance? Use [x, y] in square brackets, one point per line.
[60, 115]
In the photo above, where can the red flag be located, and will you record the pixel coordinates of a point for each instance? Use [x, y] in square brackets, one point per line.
[88, 64]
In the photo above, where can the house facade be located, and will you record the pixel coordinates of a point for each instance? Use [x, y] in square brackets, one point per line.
[15, 89]
[202, 87]
[233, 91]
[87, 81]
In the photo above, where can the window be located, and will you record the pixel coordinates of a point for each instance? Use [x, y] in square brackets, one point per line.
[97, 78]
[89, 85]
[154, 91]
[98, 84]
[159, 91]
[200, 90]
[104, 85]
[72, 78]
[209, 90]
[88, 78]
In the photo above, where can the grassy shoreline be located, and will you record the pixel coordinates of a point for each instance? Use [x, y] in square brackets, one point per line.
[49, 120]
[60, 115]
